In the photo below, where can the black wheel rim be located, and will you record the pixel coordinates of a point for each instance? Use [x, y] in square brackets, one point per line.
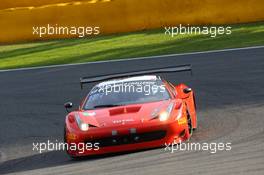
[190, 124]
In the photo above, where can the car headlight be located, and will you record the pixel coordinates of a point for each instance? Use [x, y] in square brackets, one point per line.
[179, 115]
[83, 126]
[163, 116]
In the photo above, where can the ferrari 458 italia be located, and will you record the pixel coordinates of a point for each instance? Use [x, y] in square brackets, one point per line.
[131, 111]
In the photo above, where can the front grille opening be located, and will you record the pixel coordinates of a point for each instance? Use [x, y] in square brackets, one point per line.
[129, 139]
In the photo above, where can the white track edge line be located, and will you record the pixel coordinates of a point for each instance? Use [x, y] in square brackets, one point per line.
[130, 59]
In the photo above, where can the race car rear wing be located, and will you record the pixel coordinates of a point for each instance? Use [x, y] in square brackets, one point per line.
[172, 69]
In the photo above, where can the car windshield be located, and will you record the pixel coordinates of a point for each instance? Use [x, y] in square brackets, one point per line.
[124, 93]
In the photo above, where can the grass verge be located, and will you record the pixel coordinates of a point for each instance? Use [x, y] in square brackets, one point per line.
[129, 45]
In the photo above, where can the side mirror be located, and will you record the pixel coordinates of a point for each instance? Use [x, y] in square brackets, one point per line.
[187, 90]
[68, 105]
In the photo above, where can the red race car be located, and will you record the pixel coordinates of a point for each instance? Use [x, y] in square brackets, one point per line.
[130, 111]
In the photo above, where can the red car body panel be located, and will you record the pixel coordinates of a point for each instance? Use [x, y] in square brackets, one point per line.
[122, 120]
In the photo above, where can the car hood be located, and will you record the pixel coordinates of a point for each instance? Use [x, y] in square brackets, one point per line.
[129, 114]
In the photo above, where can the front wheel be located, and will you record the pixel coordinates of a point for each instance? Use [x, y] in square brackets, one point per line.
[189, 130]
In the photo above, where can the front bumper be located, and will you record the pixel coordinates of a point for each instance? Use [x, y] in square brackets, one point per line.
[125, 138]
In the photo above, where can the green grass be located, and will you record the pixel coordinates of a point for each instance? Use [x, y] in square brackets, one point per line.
[137, 44]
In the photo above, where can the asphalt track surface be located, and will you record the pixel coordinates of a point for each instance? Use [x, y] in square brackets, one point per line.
[230, 96]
